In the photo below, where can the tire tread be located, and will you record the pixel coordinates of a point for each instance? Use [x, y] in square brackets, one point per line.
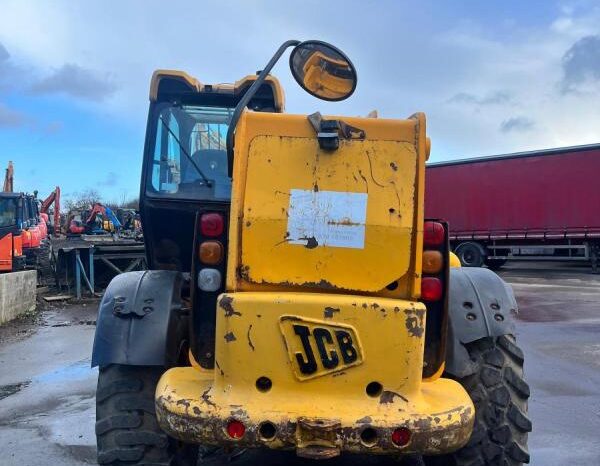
[500, 395]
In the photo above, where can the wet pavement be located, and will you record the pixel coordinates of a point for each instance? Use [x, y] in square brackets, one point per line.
[47, 387]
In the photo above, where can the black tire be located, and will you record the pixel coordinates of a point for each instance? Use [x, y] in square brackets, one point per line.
[127, 432]
[471, 254]
[500, 395]
[44, 265]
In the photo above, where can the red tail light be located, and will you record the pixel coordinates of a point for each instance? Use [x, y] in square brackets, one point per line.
[211, 224]
[401, 436]
[235, 429]
[431, 289]
[433, 234]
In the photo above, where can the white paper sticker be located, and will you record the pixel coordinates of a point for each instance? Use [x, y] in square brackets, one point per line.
[327, 218]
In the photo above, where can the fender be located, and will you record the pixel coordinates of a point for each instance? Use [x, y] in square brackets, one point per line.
[141, 321]
[480, 304]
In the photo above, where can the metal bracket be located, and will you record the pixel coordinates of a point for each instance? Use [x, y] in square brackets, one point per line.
[330, 131]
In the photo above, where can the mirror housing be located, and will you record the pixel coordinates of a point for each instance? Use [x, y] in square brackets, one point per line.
[323, 70]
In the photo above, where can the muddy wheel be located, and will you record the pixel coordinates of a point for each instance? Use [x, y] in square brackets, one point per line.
[127, 431]
[500, 395]
[470, 254]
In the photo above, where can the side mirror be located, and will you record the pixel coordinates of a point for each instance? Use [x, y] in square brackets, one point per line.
[323, 70]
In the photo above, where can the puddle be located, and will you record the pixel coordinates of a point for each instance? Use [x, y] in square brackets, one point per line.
[78, 370]
[11, 389]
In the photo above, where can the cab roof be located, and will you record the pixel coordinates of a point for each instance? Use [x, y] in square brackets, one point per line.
[169, 84]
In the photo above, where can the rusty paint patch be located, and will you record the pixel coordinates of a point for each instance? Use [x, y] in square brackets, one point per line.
[388, 397]
[229, 337]
[206, 398]
[329, 311]
[364, 420]
[219, 367]
[183, 402]
[415, 322]
[320, 284]
[243, 272]
[207, 429]
[250, 339]
[226, 303]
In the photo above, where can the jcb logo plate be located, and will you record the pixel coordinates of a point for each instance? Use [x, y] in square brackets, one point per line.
[317, 348]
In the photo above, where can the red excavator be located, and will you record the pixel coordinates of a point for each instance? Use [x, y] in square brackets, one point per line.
[11, 208]
[53, 198]
[99, 220]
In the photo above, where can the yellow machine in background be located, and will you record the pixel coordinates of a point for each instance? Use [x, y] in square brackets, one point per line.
[302, 302]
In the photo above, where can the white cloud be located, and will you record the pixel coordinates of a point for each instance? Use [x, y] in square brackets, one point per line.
[467, 76]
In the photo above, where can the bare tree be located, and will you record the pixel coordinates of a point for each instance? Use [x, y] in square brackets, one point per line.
[83, 199]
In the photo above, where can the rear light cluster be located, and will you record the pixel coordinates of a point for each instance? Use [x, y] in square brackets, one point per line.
[400, 436]
[434, 239]
[210, 252]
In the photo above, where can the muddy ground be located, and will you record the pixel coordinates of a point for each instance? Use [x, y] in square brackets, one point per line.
[47, 385]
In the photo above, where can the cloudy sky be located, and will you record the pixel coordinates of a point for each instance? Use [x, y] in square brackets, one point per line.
[492, 77]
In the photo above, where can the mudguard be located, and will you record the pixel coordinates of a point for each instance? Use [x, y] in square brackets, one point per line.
[140, 320]
[480, 305]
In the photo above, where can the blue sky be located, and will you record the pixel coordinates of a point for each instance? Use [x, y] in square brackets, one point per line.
[492, 77]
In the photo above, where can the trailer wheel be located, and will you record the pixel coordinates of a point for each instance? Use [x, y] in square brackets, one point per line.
[500, 395]
[470, 254]
[127, 431]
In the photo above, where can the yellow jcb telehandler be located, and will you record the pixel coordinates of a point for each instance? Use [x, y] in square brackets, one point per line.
[297, 298]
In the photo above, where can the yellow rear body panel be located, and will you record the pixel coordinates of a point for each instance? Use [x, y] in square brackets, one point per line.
[254, 341]
[315, 238]
[286, 228]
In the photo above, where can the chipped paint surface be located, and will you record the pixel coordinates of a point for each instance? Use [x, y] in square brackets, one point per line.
[195, 404]
[415, 322]
[303, 424]
[324, 218]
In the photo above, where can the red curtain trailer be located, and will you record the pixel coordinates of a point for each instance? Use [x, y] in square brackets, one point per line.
[539, 205]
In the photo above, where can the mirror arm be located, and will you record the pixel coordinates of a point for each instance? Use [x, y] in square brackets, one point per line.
[248, 96]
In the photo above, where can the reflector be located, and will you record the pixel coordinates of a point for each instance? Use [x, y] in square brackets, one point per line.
[401, 436]
[209, 279]
[433, 234]
[432, 262]
[210, 252]
[211, 224]
[235, 429]
[431, 289]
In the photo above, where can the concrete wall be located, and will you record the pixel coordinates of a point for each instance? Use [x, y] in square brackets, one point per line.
[17, 294]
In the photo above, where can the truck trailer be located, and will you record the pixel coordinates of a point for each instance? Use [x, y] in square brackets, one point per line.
[538, 205]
